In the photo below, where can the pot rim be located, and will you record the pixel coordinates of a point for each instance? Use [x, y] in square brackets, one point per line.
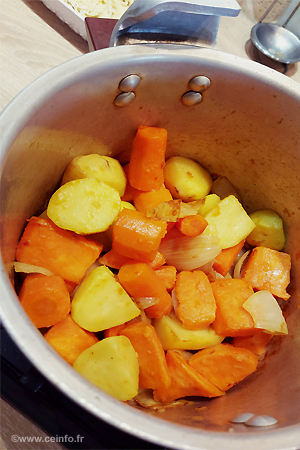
[28, 338]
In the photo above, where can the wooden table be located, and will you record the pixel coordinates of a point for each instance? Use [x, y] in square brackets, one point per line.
[34, 40]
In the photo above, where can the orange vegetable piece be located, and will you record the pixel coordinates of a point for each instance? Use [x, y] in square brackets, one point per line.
[69, 339]
[158, 261]
[148, 158]
[129, 190]
[45, 299]
[268, 269]
[154, 372]
[256, 343]
[224, 365]
[116, 331]
[65, 253]
[136, 236]
[185, 381]
[231, 318]
[196, 302]
[144, 201]
[168, 275]
[192, 225]
[116, 261]
[70, 286]
[140, 280]
[226, 258]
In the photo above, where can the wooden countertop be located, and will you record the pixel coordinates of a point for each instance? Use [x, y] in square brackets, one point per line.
[34, 40]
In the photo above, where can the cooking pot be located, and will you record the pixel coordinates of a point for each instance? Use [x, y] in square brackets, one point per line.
[244, 124]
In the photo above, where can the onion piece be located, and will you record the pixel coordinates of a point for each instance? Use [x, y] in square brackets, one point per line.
[266, 313]
[188, 253]
[238, 267]
[30, 268]
[190, 208]
[145, 302]
[174, 299]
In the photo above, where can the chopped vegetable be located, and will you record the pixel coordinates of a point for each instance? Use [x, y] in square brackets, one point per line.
[129, 190]
[226, 258]
[148, 158]
[268, 269]
[29, 268]
[224, 365]
[256, 343]
[192, 225]
[223, 188]
[196, 303]
[69, 339]
[145, 201]
[268, 231]
[112, 365]
[209, 202]
[45, 299]
[60, 251]
[168, 275]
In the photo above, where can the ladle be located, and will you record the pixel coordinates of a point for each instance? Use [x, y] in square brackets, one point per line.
[276, 41]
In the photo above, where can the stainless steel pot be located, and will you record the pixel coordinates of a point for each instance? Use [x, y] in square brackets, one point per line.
[246, 127]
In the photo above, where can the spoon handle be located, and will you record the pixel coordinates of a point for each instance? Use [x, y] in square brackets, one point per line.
[268, 10]
[291, 15]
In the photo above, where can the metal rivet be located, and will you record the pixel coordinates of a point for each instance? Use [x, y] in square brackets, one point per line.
[261, 421]
[242, 418]
[129, 83]
[124, 98]
[199, 83]
[191, 98]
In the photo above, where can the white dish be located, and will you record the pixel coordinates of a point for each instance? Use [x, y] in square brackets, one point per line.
[68, 15]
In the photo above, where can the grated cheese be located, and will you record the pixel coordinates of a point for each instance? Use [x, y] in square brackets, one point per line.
[100, 8]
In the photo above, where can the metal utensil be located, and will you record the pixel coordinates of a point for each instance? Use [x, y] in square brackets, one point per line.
[276, 41]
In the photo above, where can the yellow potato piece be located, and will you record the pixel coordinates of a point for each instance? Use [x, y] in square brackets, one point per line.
[268, 231]
[85, 206]
[102, 168]
[173, 335]
[231, 221]
[100, 302]
[112, 365]
[210, 201]
[186, 179]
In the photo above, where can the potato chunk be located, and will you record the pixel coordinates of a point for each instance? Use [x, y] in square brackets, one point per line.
[186, 179]
[85, 206]
[103, 168]
[112, 365]
[268, 231]
[231, 221]
[100, 302]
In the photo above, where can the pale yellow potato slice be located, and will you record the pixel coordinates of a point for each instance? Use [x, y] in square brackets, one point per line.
[210, 201]
[85, 206]
[112, 365]
[102, 168]
[268, 231]
[100, 302]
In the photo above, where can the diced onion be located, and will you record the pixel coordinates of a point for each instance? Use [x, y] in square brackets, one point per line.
[238, 267]
[145, 302]
[188, 253]
[266, 313]
[29, 268]
[174, 300]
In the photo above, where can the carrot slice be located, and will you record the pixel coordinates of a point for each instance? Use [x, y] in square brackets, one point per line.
[45, 299]
[154, 372]
[256, 343]
[65, 253]
[231, 318]
[136, 236]
[268, 269]
[185, 381]
[140, 280]
[225, 259]
[116, 261]
[129, 190]
[196, 303]
[168, 275]
[69, 339]
[192, 225]
[224, 365]
[144, 201]
[148, 158]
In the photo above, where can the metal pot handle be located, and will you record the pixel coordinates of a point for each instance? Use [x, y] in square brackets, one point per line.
[186, 21]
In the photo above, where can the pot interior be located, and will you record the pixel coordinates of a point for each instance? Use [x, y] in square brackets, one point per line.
[245, 128]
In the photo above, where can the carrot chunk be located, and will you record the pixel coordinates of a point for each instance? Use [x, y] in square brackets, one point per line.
[148, 158]
[65, 253]
[144, 201]
[158, 261]
[69, 339]
[136, 236]
[225, 259]
[45, 299]
[268, 269]
[129, 190]
[185, 381]
[168, 275]
[140, 280]
[154, 372]
[192, 225]
[224, 365]
[256, 343]
[196, 303]
[231, 318]
[114, 260]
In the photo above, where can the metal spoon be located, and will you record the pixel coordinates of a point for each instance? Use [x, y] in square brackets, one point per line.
[276, 41]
